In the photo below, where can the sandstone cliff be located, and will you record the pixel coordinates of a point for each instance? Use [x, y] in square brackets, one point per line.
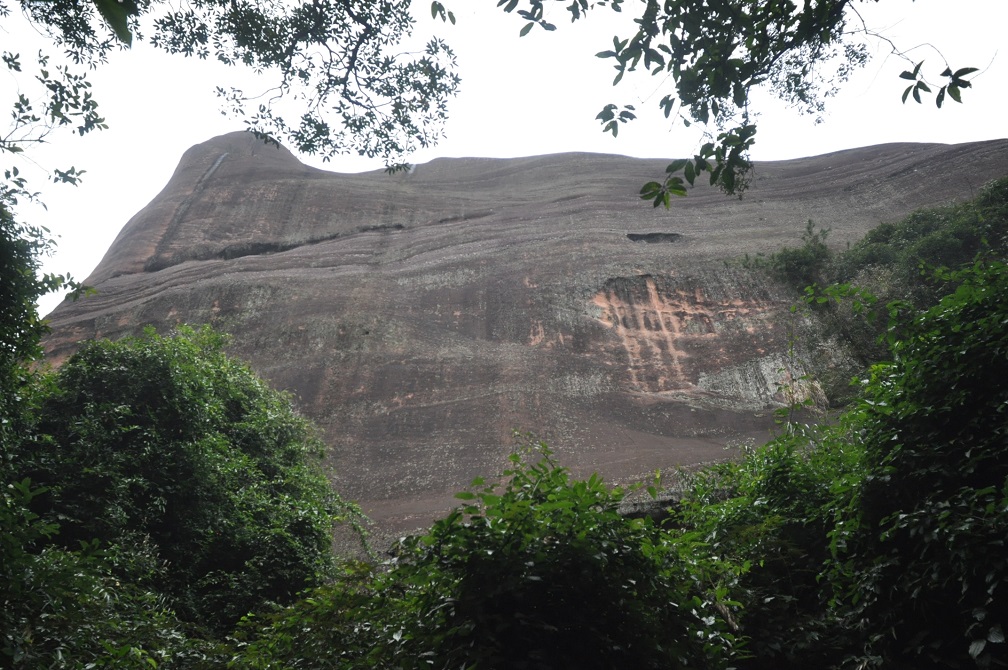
[420, 318]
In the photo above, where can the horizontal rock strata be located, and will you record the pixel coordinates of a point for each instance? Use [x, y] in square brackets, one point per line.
[421, 318]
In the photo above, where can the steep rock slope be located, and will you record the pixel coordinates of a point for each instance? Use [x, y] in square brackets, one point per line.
[420, 318]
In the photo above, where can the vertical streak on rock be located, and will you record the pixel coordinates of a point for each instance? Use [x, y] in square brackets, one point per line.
[626, 339]
[183, 208]
[670, 333]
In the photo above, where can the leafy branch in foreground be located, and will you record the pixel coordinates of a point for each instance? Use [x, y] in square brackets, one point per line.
[346, 83]
[954, 86]
[716, 54]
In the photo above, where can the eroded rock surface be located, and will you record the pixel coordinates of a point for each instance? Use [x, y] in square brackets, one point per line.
[420, 318]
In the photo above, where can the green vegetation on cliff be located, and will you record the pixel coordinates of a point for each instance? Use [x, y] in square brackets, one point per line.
[877, 541]
[892, 267]
[892, 259]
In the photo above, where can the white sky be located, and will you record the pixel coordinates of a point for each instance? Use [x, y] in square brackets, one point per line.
[520, 96]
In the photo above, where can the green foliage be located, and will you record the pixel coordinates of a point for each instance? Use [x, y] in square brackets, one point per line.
[540, 572]
[546, 573]
[64, 100]
[770, 515]
[878, 541]
[20, 288]
[347, 84]
[949, 236]
[716, 54]
[353, 622]
[166, 446]
[859, 292]
[926, 564]
[21, 329]
[65, 608]
[21, 249]
[894, 262]
[798, 266]
[888, 260]
[953, 87]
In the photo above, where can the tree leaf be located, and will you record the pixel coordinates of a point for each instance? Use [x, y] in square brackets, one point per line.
[607, 113]
[649, 189]
[689, 172]
[996, 635]
[525, 30]
[676, 165]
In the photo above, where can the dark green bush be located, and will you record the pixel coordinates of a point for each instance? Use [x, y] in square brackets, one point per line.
[63, 608]
[546, 573]
[949, 236]
[804, 265]
[167, 446]
[770, 515]
[798, 266]
[879, 541]
[926, 565]
[542, 572]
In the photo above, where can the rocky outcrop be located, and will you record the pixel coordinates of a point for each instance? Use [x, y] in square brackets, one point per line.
[421, 318]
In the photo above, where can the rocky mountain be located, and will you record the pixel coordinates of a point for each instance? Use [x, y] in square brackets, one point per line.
[421, 318]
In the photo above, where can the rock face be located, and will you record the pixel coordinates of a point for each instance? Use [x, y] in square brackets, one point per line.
[420, 318]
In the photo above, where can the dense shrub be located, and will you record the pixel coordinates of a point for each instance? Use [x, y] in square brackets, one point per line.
[166, 447]
[949, 236]
[542, 572]
[895, 262]
[926, 565]
[62, 608]
[879, 541]
[798, 266]
[770, 515]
